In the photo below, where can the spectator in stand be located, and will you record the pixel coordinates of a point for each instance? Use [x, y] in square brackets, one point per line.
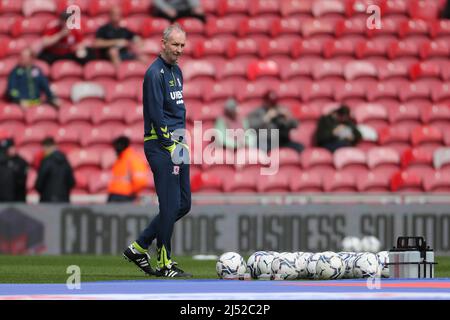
[60, 42]
[272, 116]
[337, 129]
[19, 168]
[118, 43]
[175, 9]
[445, 14]
[26, 82]
[232, 128]
[130, 173]
[55, 175]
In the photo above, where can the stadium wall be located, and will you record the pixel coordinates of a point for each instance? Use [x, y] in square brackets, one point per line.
[213, 229]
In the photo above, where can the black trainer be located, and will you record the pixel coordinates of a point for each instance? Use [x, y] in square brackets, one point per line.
[141, 260]
[172, 271]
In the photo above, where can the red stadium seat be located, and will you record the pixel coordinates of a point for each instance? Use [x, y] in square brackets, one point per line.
[319, 89]
[288, 158]
[242, 182]
[316, 27]
[31, 25]
[213, 46]
[107, 158]
[339, 182]
[350, 159]
[350, 90]
[374, 182]
[260, 7]
[414, 90]
[289, 89]
[206, 113]
[413, 157]
[404, 112]
[122, 90]
[31, 179]
[286, 25]
[11, 6]
[329, 68]
[36, 133]
[441, 158]
[41, 113]
[436, 48]
[256, 25]
[358, 69]
[374, 47]
[383, 157]
[371, 114]
[227, 7]
[192, 25]
[339, 47]
[291, 7]
[394, 68]
[309, 47]
[198, 68]
[397, 7]
[99, 135]
[133, 112]
[131, 69]
[262, 68]
[77, 112]
[194, 89]
[406, 181]
[440, 28]
[68, 135]
[6, 66]
[306, 182]
[31, 7]
[425, 69]
[351, 27]
[98, 7]
[12, 46]
[153, 26]
[236, 67]
[224, 25]
[436, 114]
[277, 182]
[134, 6]
[437, 182]
[206, 183]
[99, 68]
[10, 112]
[389, 27]
[404, 48]
[108, 112]
[255, 89]
[306, 112]
[255, 46]
[99, 182]
[90, 25]
[441, 92]
[314, 157]
[283, 45]
[426, 135]
[301, 67]
[88, 90]
[322, 8]
[219, 90]
[425, 10]
[396, 137]
[413, 28]
[303, 133]
[30, 153]
[66, 68]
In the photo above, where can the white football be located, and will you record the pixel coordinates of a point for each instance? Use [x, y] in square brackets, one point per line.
[330, 266]
[348, 258]
[383, 258]
[301, 264]
[311, 267]
[351, 243]
[370, 244]
[252, 263]
[265, 265]
[230, 264]
[366, 265]
[283, 266]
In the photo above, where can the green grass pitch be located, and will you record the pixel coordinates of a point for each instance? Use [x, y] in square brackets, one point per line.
[52, 269]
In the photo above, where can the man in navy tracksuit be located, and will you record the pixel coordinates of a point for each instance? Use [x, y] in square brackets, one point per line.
[167, 154]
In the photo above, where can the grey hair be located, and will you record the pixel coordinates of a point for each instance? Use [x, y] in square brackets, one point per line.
[169, 29]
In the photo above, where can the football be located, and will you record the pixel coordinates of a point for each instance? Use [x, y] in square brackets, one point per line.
[301, 264]
[348, 258]
[311, 267]
[252, 263]
[283, 266]
[230, 264]
[366, 265]
[265, 265]
[351, 243]
[330, 266]
[370, 244]
[383, 258]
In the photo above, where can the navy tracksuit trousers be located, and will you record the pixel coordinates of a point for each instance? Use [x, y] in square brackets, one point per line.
[173, 189]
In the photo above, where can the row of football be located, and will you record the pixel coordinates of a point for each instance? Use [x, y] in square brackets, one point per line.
[326, 265]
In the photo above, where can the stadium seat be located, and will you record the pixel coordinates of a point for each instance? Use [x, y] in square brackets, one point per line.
[193, 89]
[440, 28]
[394, 68]
[98, 7]
[415, 27]
[98, 182]
[102, 134]
[306, 182]
[68, 136]
[316, 90]
[31, 7]
[213, 46]
[90, 25]
[414, 90]
[229, 7]
[36, 133]
[261, 7]
[283, 45]
[39, 113]
[339, 47]
[292, 7]
[14, 129]
[306, 112]
[351, 27]
[319, 27]
[98, 68]
[236, 67]
[441, 92]
[289, 89]
[258, 25]
[349, 90]
[405, 112]
[130, 7]
[30, 25]
[133, 112]
[10, 112]
[436, 115]
[11, 6]
[262, 68]
[151, 46]
[374, 182]
[439, 181]
[12, 46]
[328, 68]
[278, 183]
[309, 47]
[372, 114]
[328, 8]
[31, 180]
[255, 89]
[350, 160]
[286, 25]
[383, 157]
[6, 65]
[219, 90]
[316, 158]
[369, 135]
[424, 10]
[396, 137]
[77, 112]
[250, 158]
[206, 183]
[416, 159]
[131, 69]
[303, 133]
[358, 69]
[389, 28]
[404, 48]
[377, 47]
[108, 112]
[31, 153]
[441, 158]
[66, 68]
[387, 89]
[86, 90]
[433, 49]
[425, 69]
[198, 68]
[406, 181]
[224, 25]
[192, 25]
[107, 158]
[396, 7]
[426, 137]
[339, 182]
[255, 46]
[241, 182]
[122, 90]
[153, 26]
[288, 158]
